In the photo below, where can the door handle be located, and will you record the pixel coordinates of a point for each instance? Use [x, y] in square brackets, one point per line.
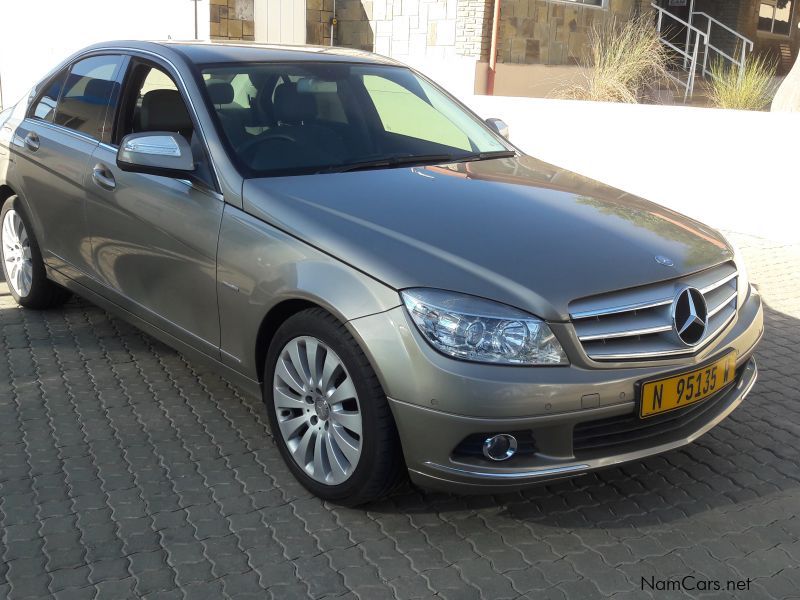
[32, 141]
[103, 178]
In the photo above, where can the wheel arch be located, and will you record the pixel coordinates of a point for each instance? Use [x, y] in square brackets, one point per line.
[286, 309]
[6, 191]
[274, 318]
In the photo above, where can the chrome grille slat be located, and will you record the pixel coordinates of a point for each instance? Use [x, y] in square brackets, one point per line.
[721, 305]
[719, 283]
[636, 324]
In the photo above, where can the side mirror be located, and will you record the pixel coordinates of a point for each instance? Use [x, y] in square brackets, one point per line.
[156, 153]
[498, 126]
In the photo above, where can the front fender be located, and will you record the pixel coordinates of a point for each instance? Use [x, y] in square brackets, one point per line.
[259, 267]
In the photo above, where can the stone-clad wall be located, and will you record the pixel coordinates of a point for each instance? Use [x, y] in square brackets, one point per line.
[318, 22]
[398, 28]
[554, 33]
[356, 24]
[232, 20]
[474, 28]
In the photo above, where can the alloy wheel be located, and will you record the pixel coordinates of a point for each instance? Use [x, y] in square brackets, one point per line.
[16, 250]
[318, 411]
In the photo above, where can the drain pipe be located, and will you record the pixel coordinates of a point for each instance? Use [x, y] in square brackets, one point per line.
[493, 49]
[333, 21]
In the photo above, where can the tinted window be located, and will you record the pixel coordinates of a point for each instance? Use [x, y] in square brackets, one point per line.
[87, 92]
[284, 119]
[405, 113]
[45, 105]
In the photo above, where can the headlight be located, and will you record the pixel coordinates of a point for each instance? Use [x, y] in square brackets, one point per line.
[479, 330]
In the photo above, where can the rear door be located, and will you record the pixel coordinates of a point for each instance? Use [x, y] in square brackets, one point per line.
[154, 239]
[54, 146]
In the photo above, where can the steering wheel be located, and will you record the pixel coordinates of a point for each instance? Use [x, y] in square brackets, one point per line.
[252, 146]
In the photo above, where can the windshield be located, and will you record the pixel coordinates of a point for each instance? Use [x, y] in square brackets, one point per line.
[285, 119]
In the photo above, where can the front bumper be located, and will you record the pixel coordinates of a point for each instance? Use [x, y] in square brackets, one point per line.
[438, 402]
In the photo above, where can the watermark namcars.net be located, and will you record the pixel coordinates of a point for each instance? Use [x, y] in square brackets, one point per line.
[693, 583]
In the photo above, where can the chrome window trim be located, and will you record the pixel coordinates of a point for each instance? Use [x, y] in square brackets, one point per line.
[62, 129]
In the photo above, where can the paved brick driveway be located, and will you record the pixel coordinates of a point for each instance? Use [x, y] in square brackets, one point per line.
[125, 472]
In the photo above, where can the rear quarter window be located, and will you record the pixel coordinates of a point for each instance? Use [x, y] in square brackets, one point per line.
[44, 107]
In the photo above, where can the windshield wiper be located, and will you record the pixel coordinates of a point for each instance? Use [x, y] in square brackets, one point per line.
[391, 161]
[487, 155]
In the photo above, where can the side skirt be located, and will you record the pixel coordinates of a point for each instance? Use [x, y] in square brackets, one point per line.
[247, 385]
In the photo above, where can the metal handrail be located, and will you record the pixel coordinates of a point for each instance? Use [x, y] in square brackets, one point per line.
[747, 41]
[744, 44]
[690, 60]
[692, 57]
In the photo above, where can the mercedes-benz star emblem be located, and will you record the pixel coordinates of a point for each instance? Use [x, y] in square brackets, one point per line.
[689, 315]
[665, 260]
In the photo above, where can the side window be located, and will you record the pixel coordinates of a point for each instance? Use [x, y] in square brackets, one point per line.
[44, 107]
[403, 112]
[87, 93]
[154, 104]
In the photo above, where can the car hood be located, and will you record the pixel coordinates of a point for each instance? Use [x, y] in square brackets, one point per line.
[515, 230]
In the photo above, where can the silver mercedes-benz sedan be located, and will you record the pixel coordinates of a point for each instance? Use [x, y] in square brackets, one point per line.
[407, 291]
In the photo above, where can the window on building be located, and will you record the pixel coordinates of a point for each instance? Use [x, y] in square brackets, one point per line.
[87, 93]
[775, 16]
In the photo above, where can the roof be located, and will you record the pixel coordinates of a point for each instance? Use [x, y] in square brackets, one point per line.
[221, 52]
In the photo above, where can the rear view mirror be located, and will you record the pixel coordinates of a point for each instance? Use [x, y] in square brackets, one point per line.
[156, 153]
[311, 85]
[498, 126]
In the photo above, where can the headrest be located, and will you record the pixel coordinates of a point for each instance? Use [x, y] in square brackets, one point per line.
[164, 110]
[292, 107]
[220, 92]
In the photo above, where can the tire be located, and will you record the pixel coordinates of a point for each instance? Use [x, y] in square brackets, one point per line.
[23, 267]
[324, 414]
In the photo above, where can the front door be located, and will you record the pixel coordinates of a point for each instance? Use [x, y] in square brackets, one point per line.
[154, 239]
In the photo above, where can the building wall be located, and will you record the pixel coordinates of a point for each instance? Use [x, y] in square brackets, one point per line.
[318, 22]
[555, 33]
[232, 20]
[474, 28]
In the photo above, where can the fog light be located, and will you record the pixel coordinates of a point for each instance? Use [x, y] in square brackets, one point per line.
[500, 447]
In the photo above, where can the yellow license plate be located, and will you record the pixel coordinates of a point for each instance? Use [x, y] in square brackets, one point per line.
[671, 393]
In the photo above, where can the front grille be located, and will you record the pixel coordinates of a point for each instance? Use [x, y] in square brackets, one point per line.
[610, 433]
[636, 324]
